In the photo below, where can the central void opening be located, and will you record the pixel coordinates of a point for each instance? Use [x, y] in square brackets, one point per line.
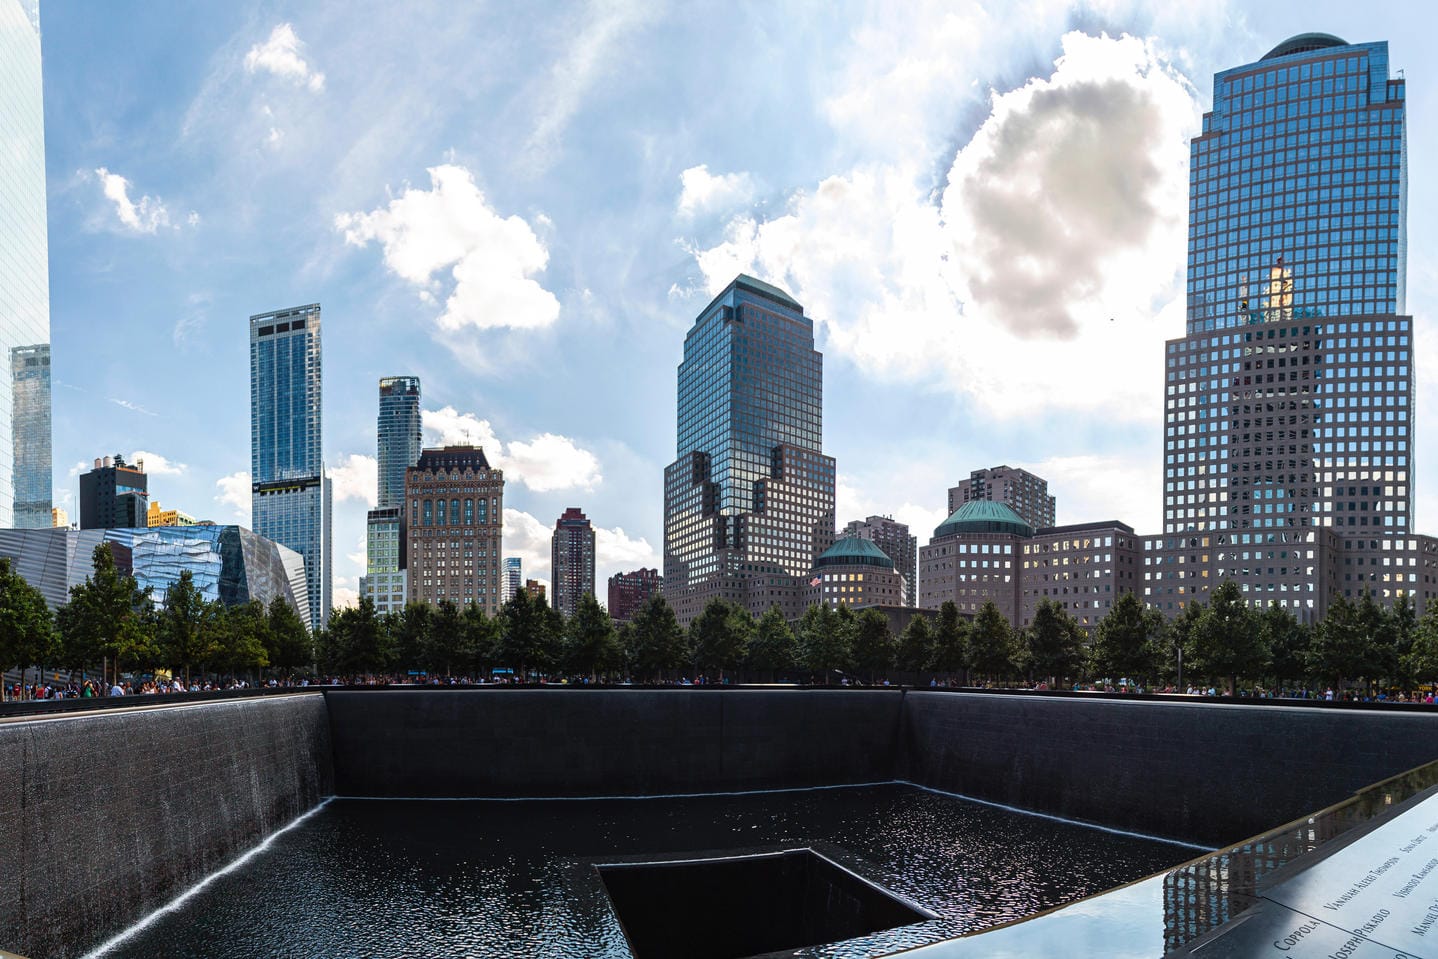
[740, 906]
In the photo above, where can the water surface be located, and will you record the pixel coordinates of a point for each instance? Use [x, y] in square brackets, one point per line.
[414, 878]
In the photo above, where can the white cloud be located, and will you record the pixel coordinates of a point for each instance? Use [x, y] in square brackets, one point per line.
[343, 597]
[529, 539]
[544, 463]
[356, 477]
[703, 192]
[132, 407]
[280, 55]
[1083, 488]
[234, 492]
[592, 50]
[851, 503]
[1055, 251]
[615, 551]
[492, 259]
[145, 216]
[157, 465]
[360, 557]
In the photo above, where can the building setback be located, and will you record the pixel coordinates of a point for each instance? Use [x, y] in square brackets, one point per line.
[628, 592]
[1288, 401]
[1018, 489]
[749, 499]
[571, 560]
[398, 441]
[455, 522]
[291, 498]
[898, 544]
[114, 495]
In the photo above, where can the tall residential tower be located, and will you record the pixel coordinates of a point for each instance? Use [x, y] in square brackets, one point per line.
[290, 494]
[25, 433]
[399, 436]
[749, 500]
[571, 560]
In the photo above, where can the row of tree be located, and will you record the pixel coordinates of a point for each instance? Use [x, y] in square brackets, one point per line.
[110, 623]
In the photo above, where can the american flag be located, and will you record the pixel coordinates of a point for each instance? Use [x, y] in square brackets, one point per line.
[815, 581]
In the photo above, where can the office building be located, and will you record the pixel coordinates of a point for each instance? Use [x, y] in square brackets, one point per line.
[454, 527]
[856, 572]
[1018, 489]
[398, 433]
[59, 518]
[1288, 402]
[749, 499]
[513, 578]
[628, 592]
[25, 432]
[228, 564]
[290, 495]
[114, 495]
[985, 552]
[168, 517]
[898, 544]
[571, 561]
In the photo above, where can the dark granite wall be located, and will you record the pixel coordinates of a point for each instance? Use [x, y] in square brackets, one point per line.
[1208, 772]
[107, 816]
[587, 742]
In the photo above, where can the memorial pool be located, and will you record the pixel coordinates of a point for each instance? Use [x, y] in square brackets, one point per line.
[516, 878]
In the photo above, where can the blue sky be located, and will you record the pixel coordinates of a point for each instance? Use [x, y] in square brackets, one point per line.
[982, 205]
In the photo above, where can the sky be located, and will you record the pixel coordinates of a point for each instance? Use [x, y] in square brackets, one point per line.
[982, 206]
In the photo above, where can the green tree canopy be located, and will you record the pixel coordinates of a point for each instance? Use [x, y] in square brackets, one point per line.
[951, 640]
[1287, 641]
[915, 652]
[720, 637]
[27, 629]
[189, 632]
[359, 643]
[530, 634]
[242, 642]
[657, 643]
[874, 645]
[410, 628]
[1228, 643]
[773, 649]
[1127, 640]
[1053, 644]
[825, 642]
[107, 616]
[991, 644]
[591, 645]
[482, 643]
[288, 641]
[445, 645]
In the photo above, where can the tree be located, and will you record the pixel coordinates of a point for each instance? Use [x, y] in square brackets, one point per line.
[991, 644]
[773, 649]
[446, 642]
[1052, 646]
[591, 646]
[27, 629]
[107, 615]
[188, 632]
[1287, 642]
[482, 639]
[657, 643]
[1402, 624]
[951, 640]
[1126, 640]
[358, 642]
[1339, 650]
[1227, 642]
[1182, 636]
[874, 647]
[1422, 658]
[530, 634]
[916, 645]
[825, 642]
[720, 637]
[288, 641]
[410, 630]
[242, 645]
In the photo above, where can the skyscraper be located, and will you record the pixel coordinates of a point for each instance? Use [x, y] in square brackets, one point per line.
[25, 435]
[1288, 403]
[1018, 489]
[513, 578]
[454, 527]
[749, 499]
[291, 496]
[399, 438]
[571, 560]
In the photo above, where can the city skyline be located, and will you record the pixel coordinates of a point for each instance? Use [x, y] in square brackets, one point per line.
[354, 226]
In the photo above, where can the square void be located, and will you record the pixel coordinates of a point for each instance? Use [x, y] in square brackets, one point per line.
[741, 906]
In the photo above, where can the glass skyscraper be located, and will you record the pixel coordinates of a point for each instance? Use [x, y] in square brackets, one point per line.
[290, 494]
[25, 438]
[399, 435]
[1288, 404]
[749, 500]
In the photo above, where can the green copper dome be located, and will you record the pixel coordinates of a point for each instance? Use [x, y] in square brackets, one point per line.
[983, 516]
[854, 551]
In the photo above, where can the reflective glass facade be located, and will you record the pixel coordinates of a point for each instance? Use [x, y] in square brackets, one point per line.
[384, 579]
[1298, 190]
[399, 433]
[25, 438]
[750, 492]
[1288, 405]
[290, 496]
